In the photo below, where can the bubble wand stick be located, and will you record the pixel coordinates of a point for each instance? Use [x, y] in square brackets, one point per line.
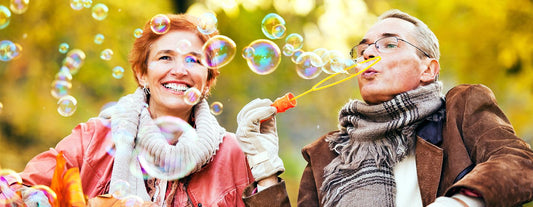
[289, 100]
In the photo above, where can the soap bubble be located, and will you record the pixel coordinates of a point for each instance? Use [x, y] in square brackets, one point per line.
[66, 106]
[288, 50]
[192, 96]
[208, 23]
[8, 50]
[63, 74]
[265, 58]
[218, 51]
[122, 189]
[247, 52]
[296, 54]
[74, 60]
[137, 33]
[216, 108]
[8, 197]
[87, 3]
[334, 62]
[295, 40]
[63, 48]
[106, 54]
[47, 191]
[132, 201]
[60, 88]
[1, 107]
[76, 4]
[184, 46]
[309, 65]
[19, 6]
[99, 11]
[118, 72]
[273, 26]
[173, 128]
[5, 16]
[160, 24]
[99, 39]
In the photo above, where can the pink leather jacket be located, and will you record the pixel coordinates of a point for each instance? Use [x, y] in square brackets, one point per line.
[219, 183]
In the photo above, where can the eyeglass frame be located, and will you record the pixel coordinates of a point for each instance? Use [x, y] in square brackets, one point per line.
[375, 45]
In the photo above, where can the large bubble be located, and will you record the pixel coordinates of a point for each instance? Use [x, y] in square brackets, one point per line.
[173, 128]
[74, 60]
[265, 56]
[66, 105]
[160, 24]
[19, 6]
[273, 26]
[208, 23]
[5, 16]
[218, 51]
[334, 62]
[309, 65]
[99, 11]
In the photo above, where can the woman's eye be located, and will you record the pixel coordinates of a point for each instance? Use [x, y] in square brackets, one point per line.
[164, 57]
[191, 59]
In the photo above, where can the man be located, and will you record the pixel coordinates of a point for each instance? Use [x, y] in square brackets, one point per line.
[406, 144]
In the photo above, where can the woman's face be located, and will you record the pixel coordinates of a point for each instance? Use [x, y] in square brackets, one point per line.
[172, 69]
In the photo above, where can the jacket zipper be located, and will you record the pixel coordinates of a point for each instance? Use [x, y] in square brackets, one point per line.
[189, 196]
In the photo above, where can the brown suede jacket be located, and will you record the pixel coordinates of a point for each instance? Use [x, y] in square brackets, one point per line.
[475, 133]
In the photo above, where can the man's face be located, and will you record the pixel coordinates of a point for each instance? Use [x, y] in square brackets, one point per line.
[399, 70]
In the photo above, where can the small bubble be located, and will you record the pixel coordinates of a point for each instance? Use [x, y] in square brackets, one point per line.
[76, 4]
[106, 54]
[137, 33]
[122, 189]
[74, 60]
[99, 11]
[63, 48]
[160, 24]
[87, 3]
[295, 40]
[247, 52]
[60, 88]
[8, 50]
[1, 107]
[288, 50]
[66, 106]
[192, 96]
[99, 39]
[19, 6]
[273, 26]
[216, 108]
[64, 74]
[118, 72]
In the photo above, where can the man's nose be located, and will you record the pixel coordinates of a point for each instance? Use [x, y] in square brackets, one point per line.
[371, 51]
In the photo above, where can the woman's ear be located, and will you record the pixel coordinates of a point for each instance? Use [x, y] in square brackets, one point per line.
[431, 71]
[141, 78]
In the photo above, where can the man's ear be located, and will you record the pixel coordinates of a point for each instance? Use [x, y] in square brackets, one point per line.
[431, 71]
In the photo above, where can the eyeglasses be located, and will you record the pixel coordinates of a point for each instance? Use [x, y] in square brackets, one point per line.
[383, 45]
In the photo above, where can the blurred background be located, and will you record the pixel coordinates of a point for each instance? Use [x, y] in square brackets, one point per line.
[486, 42]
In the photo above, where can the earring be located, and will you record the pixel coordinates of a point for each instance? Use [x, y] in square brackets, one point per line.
[146, 90]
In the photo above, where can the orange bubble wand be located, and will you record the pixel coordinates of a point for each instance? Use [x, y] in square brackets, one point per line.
[289, 100]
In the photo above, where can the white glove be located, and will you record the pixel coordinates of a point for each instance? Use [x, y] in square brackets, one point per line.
[259, 140]
[465, 201]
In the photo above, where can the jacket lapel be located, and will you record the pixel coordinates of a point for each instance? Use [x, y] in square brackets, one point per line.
[429, 160]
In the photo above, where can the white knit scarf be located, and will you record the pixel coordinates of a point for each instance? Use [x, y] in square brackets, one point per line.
[371, 140]
[133, 129]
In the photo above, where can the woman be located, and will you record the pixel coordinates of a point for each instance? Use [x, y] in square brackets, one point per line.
[211, 170]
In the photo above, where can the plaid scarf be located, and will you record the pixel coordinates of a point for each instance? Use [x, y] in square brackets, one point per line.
[371, 140]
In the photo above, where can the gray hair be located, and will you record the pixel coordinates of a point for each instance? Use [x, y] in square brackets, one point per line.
[426, 39]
